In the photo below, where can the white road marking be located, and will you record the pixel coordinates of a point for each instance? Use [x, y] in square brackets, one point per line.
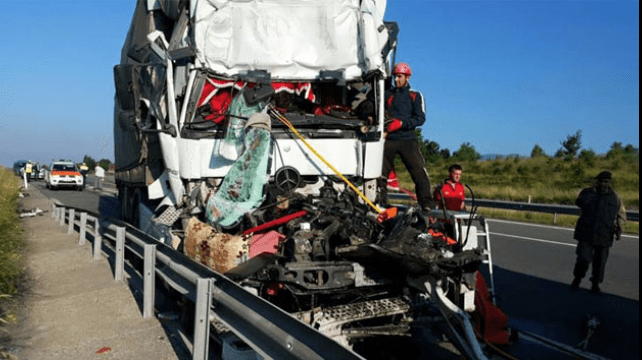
[549, 227]
[534, 239]
[531, 224]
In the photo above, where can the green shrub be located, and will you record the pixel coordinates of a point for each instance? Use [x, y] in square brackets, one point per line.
[588, 156]
[11, 241]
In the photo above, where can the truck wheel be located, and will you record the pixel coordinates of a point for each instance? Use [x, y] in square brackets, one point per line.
[123, 192]
[135, 211]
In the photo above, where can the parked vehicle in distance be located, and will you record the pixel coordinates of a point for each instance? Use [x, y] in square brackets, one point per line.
[27, 166]
[18, 166]
[63, 174]
[36, 170]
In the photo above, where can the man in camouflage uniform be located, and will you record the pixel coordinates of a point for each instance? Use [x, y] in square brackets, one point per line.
[600, 222]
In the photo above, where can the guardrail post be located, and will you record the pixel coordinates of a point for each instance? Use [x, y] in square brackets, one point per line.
[202, 318]
[83, 229]
[120, 253]
[149, 281]
[53, 211]
[98, 239]
[62, 216]
[72, 220]
[555, 219]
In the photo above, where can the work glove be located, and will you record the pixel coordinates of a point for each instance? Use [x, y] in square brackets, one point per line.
[618, 235]
[394, 125]
[387, 214]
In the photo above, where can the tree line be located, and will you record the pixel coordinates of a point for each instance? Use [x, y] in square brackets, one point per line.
[571, 148]
[91, 163]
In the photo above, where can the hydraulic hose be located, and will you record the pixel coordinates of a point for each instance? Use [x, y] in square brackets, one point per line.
[473, 210]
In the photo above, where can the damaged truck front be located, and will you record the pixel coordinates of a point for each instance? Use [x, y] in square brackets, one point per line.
[192, 72]
[249, 135]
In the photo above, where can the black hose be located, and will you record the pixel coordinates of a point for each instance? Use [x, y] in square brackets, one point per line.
[278, 148]
[473, 210]
[443, 202]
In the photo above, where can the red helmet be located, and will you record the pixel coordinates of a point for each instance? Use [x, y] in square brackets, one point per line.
[402, 68]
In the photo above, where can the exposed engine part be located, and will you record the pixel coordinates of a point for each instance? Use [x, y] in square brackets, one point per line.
[315, 275]
[331, 320]
[169, 216]
[287, 178]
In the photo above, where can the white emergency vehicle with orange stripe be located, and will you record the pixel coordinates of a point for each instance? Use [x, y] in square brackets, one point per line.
[63, 174]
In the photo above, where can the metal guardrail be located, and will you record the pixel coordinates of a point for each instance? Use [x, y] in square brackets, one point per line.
[523, 206]
[270, 331]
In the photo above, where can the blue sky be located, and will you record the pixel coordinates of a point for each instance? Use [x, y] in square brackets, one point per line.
[502, 75]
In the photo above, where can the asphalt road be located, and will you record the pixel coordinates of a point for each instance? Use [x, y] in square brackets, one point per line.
[533, 270]
[103, 201]
[533, 267]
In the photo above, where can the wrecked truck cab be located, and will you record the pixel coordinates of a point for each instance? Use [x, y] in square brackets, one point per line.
[323, 65]
[285, 208]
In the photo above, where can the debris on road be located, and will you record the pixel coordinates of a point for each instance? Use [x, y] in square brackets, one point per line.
[32, 212]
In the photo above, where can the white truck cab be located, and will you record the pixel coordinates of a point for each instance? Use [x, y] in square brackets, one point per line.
[193, 72]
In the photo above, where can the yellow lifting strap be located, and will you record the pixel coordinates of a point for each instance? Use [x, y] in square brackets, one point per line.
[287, 123]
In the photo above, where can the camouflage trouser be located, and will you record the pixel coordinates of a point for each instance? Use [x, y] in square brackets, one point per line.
[587, 253]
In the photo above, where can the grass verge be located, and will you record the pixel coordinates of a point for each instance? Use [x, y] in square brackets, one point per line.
[12, 244]
[541, 179]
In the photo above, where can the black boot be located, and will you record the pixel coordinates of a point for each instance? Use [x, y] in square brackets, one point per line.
[595, 288]
[575, 285]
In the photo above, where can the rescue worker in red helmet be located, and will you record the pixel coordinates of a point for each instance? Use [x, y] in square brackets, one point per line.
[405, 111]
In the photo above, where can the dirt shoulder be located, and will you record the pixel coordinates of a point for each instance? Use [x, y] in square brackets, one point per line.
[73, 308]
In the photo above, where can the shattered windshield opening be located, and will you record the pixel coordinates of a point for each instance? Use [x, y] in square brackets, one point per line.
[310, 105]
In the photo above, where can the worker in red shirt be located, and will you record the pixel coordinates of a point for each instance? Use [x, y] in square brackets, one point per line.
[454, 193]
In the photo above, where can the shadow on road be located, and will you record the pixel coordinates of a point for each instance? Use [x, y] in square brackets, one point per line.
[109, 206]
[552, 310]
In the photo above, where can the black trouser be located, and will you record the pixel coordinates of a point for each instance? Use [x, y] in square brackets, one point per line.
[414, 162]
[587, 253]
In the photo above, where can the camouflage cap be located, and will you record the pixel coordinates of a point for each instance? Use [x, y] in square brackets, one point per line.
[604, 175]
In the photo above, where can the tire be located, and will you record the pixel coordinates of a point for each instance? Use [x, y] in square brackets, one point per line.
[123, 194]
[135, 211]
